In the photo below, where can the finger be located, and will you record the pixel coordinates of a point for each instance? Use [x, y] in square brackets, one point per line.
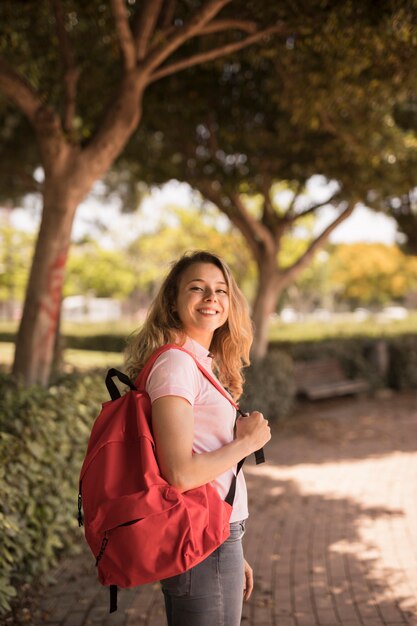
[248, 592]
[248, 588]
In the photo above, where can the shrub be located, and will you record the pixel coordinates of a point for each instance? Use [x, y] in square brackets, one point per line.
[105, 342]
[402, 373]
[270, 385]
[43, 437]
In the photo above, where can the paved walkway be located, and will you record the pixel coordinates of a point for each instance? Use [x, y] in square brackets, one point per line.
[332, 535]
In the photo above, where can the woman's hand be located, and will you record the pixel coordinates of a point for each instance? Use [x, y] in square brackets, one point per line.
[248, 583]
[254, 429]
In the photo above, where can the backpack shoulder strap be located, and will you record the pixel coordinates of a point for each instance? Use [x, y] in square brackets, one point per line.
[143, 376]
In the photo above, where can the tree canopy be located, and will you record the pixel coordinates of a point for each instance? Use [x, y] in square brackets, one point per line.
[284, 114]
[78, 73]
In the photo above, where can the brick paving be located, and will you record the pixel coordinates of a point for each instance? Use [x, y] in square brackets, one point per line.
[332, 535]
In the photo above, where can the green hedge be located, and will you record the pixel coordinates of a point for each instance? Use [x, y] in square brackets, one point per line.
[7, 337]
[102, 342]
[270, 386]
[402, 373]
[357, 355]
[43, 435]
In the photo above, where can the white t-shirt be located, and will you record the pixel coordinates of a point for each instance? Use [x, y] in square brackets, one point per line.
[175, 373]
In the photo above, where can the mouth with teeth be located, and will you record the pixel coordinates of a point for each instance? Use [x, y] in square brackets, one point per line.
[207, 312]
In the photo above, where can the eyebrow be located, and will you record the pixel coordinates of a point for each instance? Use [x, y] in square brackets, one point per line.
[201, 280]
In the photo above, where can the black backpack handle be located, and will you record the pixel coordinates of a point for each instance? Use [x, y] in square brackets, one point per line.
[259, 454]
[111, 385]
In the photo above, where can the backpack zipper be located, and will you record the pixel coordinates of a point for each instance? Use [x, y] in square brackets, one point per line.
[102, 549]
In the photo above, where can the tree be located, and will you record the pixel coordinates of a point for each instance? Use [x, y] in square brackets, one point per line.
[83, 102]
[16, 248]
[150, 254]
[106, 273]
[284, 115]
[403, 208]
[383, 275]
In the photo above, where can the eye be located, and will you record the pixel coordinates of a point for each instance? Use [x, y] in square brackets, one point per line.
[196, 289]
[222, 291]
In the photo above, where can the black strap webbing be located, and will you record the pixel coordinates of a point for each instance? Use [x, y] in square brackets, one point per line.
[231, 495]
[113, 598]
[260, 456]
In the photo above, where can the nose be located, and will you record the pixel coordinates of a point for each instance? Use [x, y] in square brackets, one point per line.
[210, 294]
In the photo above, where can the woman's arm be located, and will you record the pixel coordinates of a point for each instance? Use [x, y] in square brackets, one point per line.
[173, 429]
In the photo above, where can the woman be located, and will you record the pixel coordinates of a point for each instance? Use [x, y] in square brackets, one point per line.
[200, 307]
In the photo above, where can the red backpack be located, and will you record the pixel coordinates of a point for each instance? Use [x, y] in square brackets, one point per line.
[139, 527]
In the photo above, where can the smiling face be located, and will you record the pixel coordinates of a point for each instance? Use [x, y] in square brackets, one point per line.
[203, 301]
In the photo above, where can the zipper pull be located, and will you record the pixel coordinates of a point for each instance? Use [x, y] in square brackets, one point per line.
[80, 512]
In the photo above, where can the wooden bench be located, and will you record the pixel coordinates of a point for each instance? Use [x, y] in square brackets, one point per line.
[325, 378]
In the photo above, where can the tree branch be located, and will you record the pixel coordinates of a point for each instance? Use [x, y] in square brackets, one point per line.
[19, 91]
[311, 209]
[145, 26]
[291, 272]
[71, 72]
[290, 211]
[255, 226]
[336, 131]
[215, 196]
[124, 34]
[268, 210]
[259, 233]
[210, 55]
[160, 53]
[219, 25]
[168, 14]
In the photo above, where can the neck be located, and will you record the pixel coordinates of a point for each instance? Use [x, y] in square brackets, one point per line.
[204, 341]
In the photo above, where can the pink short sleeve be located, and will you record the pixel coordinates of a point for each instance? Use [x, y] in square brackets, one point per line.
[174, 373]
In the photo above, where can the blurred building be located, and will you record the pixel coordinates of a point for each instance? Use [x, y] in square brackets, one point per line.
[91, 309]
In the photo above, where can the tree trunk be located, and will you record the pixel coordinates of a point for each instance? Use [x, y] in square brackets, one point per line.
[268, 291]
[36, 336]
[70, 174]
[58, 353]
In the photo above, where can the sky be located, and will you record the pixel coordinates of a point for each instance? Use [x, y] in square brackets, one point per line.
[362, 225]
[113, 228]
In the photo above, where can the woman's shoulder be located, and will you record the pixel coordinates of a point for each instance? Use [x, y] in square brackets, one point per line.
[174, 373]
[174, 363]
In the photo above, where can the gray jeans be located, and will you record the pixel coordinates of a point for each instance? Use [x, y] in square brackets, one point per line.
[210, 593]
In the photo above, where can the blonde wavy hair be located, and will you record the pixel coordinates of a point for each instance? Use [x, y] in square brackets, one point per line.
[231, 342]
